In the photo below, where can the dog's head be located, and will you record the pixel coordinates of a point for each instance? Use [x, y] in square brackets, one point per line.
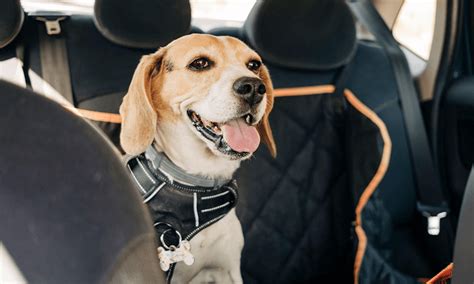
[212, 90]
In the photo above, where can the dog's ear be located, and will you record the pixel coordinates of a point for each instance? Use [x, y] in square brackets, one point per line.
[264, 126]
[139, 118]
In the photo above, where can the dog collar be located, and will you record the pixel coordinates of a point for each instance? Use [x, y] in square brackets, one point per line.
[161, 162]
[181, 205]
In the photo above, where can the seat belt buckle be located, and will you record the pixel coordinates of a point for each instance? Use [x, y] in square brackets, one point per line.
[433, 215]
[51, 20]
[52, 25]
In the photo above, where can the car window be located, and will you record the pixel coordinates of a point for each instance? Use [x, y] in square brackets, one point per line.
[73, 6]
[207, 14]
[414, 26]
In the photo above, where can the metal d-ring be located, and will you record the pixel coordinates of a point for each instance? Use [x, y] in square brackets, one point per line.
[162, 238]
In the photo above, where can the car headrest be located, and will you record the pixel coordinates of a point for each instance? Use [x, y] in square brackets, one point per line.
[70, 213]
[11, 20]
[302, 34]
[142, 23]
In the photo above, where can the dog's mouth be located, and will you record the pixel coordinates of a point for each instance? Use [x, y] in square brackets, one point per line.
[237, 138]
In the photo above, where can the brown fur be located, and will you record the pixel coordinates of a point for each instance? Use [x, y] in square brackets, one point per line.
[161, 82]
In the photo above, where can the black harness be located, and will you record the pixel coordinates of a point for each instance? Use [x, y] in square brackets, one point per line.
[181, 205]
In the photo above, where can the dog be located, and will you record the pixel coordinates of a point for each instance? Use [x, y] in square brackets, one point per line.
[199, 82]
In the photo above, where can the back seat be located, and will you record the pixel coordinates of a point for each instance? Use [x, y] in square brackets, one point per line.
[296, 211]
[305, 43]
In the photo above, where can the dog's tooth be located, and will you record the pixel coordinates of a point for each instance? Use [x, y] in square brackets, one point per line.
[218, 142]
[248, 119]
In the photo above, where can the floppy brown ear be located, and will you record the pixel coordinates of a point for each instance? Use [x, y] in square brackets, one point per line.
[264, 126]
[139, 119]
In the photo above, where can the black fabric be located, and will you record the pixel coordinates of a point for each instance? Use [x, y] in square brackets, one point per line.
[464, 247]
[11, 20]
[70, 212]
[297, 218]
[302, 34]
[145, 24]
[98, 67]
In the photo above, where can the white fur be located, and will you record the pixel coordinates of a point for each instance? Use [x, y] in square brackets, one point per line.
[216, 249]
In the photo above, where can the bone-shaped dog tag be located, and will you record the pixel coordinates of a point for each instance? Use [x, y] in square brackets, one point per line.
[175, 254]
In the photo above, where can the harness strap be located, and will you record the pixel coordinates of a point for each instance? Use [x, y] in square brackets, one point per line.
[179, 210]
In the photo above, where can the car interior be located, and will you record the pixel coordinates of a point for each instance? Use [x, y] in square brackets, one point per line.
[370, 183]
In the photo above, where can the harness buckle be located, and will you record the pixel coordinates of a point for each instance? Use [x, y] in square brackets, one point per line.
[433, 215]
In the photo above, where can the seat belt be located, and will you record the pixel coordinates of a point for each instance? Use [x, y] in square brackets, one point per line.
[464, 245]
[431, 201]
[23, 56]
[53, 53]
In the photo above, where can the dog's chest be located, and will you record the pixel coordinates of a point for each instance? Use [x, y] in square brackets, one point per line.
[218, 246]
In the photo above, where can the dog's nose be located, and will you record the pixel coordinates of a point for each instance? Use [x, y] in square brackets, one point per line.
[250, 89]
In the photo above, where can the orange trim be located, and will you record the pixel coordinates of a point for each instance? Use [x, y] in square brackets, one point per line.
[381, 170]
[372, 186]
[442, 276]
[283, 92]
[303, 91]
[96, 115]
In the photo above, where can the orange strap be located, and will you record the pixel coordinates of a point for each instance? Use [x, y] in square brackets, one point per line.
[96, 115]
[283, 92]
[443, 276]
[303, 91]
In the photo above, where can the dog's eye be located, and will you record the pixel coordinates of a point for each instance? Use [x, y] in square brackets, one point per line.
[200, 64]
[254, 65]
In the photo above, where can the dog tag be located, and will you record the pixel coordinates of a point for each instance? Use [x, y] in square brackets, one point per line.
[175, 254]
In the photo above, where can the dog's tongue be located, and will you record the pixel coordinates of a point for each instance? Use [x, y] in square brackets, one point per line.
[240, 136]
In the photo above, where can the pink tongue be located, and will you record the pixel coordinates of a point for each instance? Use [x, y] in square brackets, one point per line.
[240, 136]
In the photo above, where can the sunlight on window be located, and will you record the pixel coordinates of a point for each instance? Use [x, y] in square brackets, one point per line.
[208, 14]
[414, 26]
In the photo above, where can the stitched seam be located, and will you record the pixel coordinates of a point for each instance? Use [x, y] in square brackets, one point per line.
[308, 135]
[385, 105]
[315, 215]
[145, 171]
[215, 208]
[136, 180]
[154, 193]
[215, 195]
[195, 209]
[203, 226]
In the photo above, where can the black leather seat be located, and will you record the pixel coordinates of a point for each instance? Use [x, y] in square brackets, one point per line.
[70, 213]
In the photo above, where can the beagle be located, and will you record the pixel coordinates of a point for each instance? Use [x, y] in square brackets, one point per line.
[203, 101]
